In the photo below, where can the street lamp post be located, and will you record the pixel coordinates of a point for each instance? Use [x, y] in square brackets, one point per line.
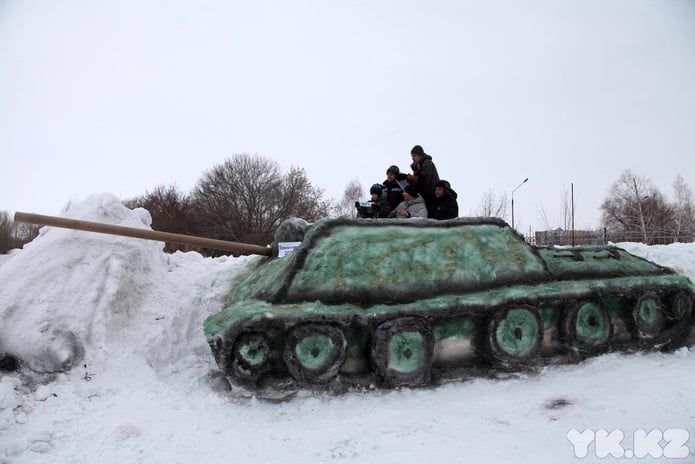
[517, 187]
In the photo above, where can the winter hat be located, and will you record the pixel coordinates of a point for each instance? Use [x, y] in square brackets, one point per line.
[417, 150]
[376, 188]
[412, 190]
[444, 184]
[393, 169]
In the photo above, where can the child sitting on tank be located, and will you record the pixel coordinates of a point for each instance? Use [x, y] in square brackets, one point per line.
[377, 207]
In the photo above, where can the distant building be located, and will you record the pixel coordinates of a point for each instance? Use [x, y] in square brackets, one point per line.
[561, 236]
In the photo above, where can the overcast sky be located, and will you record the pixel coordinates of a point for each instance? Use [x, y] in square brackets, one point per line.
[122, 96]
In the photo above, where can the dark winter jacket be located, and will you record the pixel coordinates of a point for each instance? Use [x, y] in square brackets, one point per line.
[394, 193]
[445, 207]
[426, 173]
[379, 208]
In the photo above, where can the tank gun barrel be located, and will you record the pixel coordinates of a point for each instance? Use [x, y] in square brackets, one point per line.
[89, 226]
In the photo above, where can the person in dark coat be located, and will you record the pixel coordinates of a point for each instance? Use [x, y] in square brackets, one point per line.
[378, 206]
[424, 174]
[393, 186]
[444, 205]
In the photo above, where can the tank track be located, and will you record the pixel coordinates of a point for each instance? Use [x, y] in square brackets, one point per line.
[410, 348]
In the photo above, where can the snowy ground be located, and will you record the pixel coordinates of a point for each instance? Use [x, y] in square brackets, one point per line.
[147, 391]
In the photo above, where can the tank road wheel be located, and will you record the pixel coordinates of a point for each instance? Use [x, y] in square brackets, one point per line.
[402, 351]
[661, 322]
[314, 353]
[250, 356]
[649, 316]
[514, 335]
[681, 307]
[679, 310]
[587, 326]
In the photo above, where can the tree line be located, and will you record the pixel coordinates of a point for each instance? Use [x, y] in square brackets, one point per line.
[245, 199]
[634, 209]
[634, 205]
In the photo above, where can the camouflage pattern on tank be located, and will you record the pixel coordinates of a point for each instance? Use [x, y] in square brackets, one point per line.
[407, 303]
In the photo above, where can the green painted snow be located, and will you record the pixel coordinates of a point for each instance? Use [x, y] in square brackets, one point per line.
[517, 332]
[456, 327]
[266, 274]
[613, 305]
[405, 352]
[253, 352]
[396, 258]
[591, 324]
[596, 260]
[573, 290]
[681, 305]
[648, 311]
[406, 262]
[548, 317]
[391, 259]
[314, 351]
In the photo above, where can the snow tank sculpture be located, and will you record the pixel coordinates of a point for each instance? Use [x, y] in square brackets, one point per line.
[414, 302]
[409, 303]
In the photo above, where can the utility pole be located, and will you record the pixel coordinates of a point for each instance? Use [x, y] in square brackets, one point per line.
[572, 207]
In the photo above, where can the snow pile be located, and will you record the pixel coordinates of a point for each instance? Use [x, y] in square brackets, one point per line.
[68, 290]
[678, 256]
[144, 388]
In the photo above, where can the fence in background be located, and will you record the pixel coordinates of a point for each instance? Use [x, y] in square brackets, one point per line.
[602, 237]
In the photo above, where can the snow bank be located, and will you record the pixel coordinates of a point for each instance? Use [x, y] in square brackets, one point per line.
[678, 256]
[71, 297]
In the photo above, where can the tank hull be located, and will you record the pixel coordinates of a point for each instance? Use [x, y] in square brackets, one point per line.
[548, 305]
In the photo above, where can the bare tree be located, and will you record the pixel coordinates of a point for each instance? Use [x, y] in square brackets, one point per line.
[565, 222]
[346, 206]
[544, 218]
[304, 199]
[6, 242]
[247, 197]
[24, 233]
[566, 211]
[491, 206]
[635, 205]
[14, 234]
[684, 209]
[170, 210]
